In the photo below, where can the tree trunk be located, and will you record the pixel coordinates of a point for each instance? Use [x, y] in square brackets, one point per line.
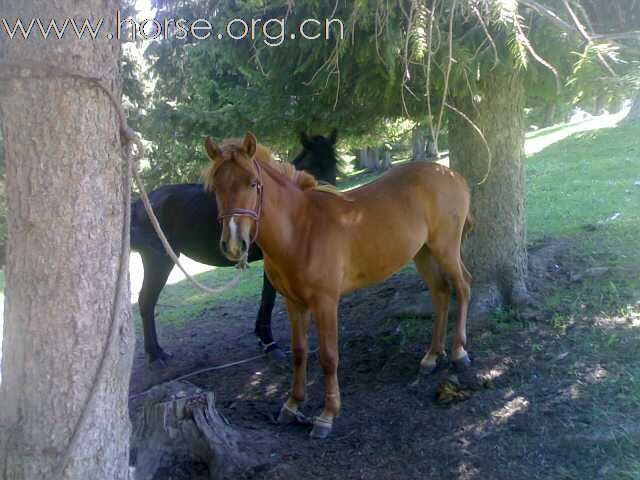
[385, 161]
[549, 114]
[67, 187]
[374, 158]
[422, 145]
[634, 113]
[432, 150]
[495, 252]
[370, 158]
[418, 146]
[364, 158]
[600, 105]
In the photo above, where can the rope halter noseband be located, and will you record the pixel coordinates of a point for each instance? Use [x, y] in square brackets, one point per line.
[244, 212]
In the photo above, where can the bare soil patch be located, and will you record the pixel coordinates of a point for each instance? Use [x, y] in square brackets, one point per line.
[563, 401]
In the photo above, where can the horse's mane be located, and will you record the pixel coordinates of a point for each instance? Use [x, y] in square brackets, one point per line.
[263, 155]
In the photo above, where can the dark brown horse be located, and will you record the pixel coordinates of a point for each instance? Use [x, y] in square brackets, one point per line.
[319, 244]
[187, 216]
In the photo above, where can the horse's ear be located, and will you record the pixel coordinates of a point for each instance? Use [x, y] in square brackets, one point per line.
[250, 144]
[304, 140]
[213, 151]
[333, 136]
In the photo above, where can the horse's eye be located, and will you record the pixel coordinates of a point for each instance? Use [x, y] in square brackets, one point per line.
[254, 184]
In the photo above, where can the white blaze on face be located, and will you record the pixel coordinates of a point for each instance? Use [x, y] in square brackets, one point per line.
[233, 230]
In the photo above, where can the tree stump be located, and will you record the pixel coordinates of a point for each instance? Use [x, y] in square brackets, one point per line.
[180, 424]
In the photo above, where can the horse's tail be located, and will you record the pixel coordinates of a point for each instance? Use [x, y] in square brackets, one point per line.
[135, 229]
[469, 224]
[142, 236]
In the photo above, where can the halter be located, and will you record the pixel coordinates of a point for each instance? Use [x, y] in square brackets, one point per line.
[243, 212]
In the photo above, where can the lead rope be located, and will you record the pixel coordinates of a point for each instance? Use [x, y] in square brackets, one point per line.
[129, 138]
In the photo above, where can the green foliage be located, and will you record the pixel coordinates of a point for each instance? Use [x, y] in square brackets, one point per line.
[392, 66]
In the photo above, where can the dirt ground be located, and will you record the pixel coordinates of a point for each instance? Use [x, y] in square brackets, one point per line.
[561, 397]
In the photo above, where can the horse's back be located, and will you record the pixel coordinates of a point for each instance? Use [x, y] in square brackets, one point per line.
[425, 174]
[406, 208]
[415, 186]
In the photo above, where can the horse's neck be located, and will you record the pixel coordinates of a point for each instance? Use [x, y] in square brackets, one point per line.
[282, 213]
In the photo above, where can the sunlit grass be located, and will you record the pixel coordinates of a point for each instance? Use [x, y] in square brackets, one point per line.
[182, 301]
[585, 189]
[586, 180]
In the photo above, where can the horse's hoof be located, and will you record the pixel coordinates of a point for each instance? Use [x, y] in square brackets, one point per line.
[441, 362]
[321, 429]
[274, 353]
[158, 364]
[462, 363]
[288, 417]
[159, 359]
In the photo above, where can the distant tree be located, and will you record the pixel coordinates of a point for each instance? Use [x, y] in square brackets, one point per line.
[67, 186]
[634, 113]
[634, 79]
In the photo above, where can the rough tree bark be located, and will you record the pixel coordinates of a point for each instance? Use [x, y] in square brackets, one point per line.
[418, 143]
[496, 250]
[66, 186]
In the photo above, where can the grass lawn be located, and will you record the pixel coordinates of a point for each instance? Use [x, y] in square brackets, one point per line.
[181, 301]
[585, 188]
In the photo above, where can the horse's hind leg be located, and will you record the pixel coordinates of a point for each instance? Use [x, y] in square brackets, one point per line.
[263, 321]
[156, 271]
[451, 263]
[439, 289]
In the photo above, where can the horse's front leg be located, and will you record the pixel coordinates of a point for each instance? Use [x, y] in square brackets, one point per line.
[326, 319]
[263, 322]
[299, 323]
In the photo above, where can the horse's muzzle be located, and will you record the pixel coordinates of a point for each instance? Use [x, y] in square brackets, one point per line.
[234, 250]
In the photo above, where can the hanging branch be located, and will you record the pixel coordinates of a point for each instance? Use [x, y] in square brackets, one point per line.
[445, 89]
[527, 44]
[406, 76]
[429, 55]
[476, 12]
[588, 39]
[549, 14]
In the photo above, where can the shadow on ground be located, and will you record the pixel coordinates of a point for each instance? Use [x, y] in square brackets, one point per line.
[563, 402]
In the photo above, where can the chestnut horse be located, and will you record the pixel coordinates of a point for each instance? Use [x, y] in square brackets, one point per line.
[185, 212]
[319, 244]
